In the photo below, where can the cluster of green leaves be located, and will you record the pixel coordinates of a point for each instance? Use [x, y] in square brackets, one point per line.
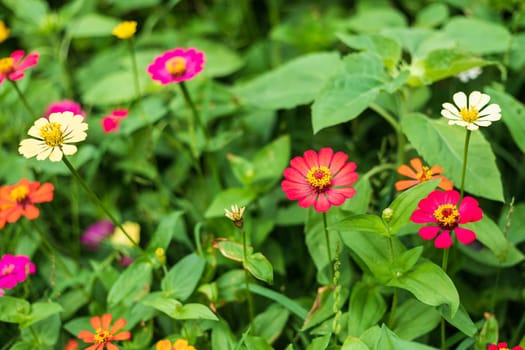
[365, 77]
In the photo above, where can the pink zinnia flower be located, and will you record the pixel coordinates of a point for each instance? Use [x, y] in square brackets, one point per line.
[13, 67]
[441, 208]
[65, 106]
[95, 233]
[176, 65]
[503, 346]
[111, 122]
[13, 270]
[320, 179]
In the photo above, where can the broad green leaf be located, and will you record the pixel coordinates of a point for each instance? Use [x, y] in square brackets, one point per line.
[374, 18]
[165, 231]
[46, 331]
[128, 5]
[360, 202]
[432, 15]
[387, 48]
[466, 31]
[225, 199]
[517, 52]
[232, 250]
[388, 340]
[30, 11]
[429, 284]
[363, 223]
[323, 306]
[366, 308]
[222, 337]
[320, 343]
[405, 204]
[282, 299]
[92, 25]
[270, 324]
[353, 343]
[406, 260]
[259, 267]
[159, 301]
[442, 144]
[256, 343]
[131, 284]
[461, 320]
[112, 89]
[271, 160]
[242, 168]
[295, 83]
[419, 42]
[488, 334]
[194, 312]
[183, 277]
[41, 311]
[414, 319]
[513, 114]
[14, 310]
[220, 60]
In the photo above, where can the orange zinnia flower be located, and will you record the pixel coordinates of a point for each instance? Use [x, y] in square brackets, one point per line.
[179, 344]
[421, 173]
[18, 200]
[103, 335]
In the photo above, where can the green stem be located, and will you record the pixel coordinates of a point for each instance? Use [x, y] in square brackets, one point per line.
[444, 262]
[464, 169]
[134, 68]
[97, 200]
[194, 110]
[22, 97]
[393, 308]
[379, 169]
[443, 333]
[328, 251]
[387, 116]
[246, 277]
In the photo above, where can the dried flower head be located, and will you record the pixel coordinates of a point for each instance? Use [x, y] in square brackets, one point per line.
[235, 215]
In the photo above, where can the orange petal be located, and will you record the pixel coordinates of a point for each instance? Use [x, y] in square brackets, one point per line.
[110, 346]
[163, 345]
[404, 184]
[124, 335]
[106, 321]
[86, 336]
[31, 212]
[436, 169]
[445, 183]
[407, 171]
[95, 322]
[121, 322]
[417, 164]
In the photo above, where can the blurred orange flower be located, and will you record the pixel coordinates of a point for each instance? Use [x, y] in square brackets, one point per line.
[179, 344]
[421, 173]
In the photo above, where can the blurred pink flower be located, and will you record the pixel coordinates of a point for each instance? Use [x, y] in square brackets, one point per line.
[176, 65]
[95, 233]
[111, 122]
[64, 106]
[13, 67]
[13, 270]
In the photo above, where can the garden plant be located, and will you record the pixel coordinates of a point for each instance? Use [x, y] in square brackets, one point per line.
[265, 174]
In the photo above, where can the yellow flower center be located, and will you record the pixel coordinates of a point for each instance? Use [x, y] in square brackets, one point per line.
[6, 65]
[6, 270]
[447, 216]
[125, 30]
[102, 336]
[425, 174]
[469, 115]
[176, 66]
[319, 178]
[19, 193]
[52, 134]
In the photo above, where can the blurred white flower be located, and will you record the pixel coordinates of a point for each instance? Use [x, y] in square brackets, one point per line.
[470, 74]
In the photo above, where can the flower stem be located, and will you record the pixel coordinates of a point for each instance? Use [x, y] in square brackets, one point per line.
[22, 97]
[444, 264]
[328, 251]
[134, 68]
[393, 308]
[194, 110]
[246, 277]
[97, 200]
[464, 169]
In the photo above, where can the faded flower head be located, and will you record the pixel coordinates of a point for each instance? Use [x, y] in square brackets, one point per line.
[179, 344]
[104, 335]
[473, 114]
[64, 106]
[421, 173]
[14, 269]
[125, 30]
[111, 122]
[320, 179]
[13, 67]
[441, 210]
[235, 215]
[53, 136]
[176, 65]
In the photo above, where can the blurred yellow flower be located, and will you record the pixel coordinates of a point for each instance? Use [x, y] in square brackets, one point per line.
[4, 31]
[119, 238]
[125, 30]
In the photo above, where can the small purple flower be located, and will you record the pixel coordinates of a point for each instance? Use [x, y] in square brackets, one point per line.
[96, 232]
[13, 270]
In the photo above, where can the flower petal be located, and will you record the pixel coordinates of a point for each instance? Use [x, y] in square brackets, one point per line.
[404, 184]
[464, 235]
[325, 156]
[407, 171]
[322, 204]
[443, 240]
[469, 210]
[338, 161]
[460, 99]
[478, 100]
[428, 232]
[121, 322]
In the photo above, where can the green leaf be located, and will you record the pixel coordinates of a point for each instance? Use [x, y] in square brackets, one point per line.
[461, 320]
[232, 250]
[183, 277]
[272, 159]
[30, 11]
[222, 337]
[388, 49]
[466, 31]
[40, 311]
[388, 340]
[442, 144]
[92, 25]
[295, 83]
[513, 114]
[359, 203]
[270, 324]
[113, 88]
[374, 18]
[429, 284]
[288, 303]
[220, 60]
[159, 301]
[46, 331]
[414, 319]
[227, 198]
[432, 15]
[256, 343]
[14, 310]
[353, 343]
[320, 343]
[488, 334]
[165, 231]
[133, 282]
[260, 267]
[362, 223]
[194, 312]
[366, 309]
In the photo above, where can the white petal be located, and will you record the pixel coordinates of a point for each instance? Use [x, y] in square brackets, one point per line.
[44, 154]
[31, 147]
[483, 122]
[460, 99]
[447, 114]
[69, 149]
[74, 136]
[472, 126]
[478, 100]
[491, 109]
[35, 129]
[491, 117]
[56, 155]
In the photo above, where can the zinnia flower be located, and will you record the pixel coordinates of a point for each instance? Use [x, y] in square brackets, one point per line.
[111, 122]
[53, 135]
[13, 270]
[13, 67]
[503, 346]
[236, 215]
[20, 199]
[471, 115]
[176, 65]
[4, 31]
[179, 344]
[125, 30]
[64, 106]
[320, 179]
[441, 209]
[95, 233]
[103, 335]
[119, 238]
[421, 173]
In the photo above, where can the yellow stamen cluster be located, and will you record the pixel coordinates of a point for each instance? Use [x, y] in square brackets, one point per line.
[52, 134]
[6, 65]
[19, 193]
[125, 30]
[6, 270]
[319, 178]
[469, 115]
[102, 336]
[425, 174]
[176, 66]
[447, 216]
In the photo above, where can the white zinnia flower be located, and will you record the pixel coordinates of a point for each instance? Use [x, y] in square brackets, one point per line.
[52, 136]
[473, 115]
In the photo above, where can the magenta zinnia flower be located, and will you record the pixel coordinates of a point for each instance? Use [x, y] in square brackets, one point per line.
[503, 346]
[441, 208]
[65, 106]
[176, 65]
[95, 233]
[13, 270]
[13, 67]
[111, 122]
[320, 179]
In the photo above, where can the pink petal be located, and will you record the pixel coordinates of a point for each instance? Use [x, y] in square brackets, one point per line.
[347, 192]
[311, 158]
[30, 61]
[469, 210]
[300, 164]
[308, 201]
[294, 175]
[346, 176]
[325, 156]
[335, 197]
[17, 56]
[322, 204]
[443, 240]
[421, 216]
[429, 232]
[338, 161]
[464, 235]
[295, 191]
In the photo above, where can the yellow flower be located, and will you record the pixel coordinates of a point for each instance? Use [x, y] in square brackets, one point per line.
[4, 31]
[119, 238]
[125, 30]
[52, 136]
